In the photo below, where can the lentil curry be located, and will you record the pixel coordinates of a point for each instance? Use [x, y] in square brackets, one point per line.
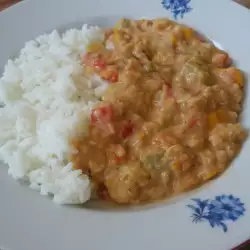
[169, 119]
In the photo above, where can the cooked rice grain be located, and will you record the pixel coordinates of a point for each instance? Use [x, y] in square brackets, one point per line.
[46, 94]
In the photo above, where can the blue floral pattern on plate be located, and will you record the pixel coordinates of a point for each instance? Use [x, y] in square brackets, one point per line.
[218, 211]
[177, 7]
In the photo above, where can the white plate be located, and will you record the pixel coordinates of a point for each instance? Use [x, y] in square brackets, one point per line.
[31, 222]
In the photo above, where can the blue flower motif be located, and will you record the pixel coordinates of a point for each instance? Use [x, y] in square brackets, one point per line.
[177, 7]
[227, 206]
[217, 211]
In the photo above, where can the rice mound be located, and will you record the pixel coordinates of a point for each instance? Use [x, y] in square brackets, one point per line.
[47, 99]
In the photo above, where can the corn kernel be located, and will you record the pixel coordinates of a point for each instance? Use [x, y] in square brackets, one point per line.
[174, 41]
[210, 175]
[176, 165]
[117, 36]
[161, 24]
[188, 33]
[238, 77]
[140, 135]
[212, 120]
[95, 46]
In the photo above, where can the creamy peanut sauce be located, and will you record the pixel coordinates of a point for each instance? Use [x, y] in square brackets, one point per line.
[168, 121]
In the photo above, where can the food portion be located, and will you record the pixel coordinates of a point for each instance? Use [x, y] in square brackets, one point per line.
[131, 114]
[168, 121]
[46, 95]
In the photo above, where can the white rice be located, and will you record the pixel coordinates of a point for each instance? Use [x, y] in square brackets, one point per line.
[46, 94]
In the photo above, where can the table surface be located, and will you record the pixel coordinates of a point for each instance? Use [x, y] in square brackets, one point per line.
[6, 3]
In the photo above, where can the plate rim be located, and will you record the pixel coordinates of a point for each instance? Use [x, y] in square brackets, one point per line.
[19, 11]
